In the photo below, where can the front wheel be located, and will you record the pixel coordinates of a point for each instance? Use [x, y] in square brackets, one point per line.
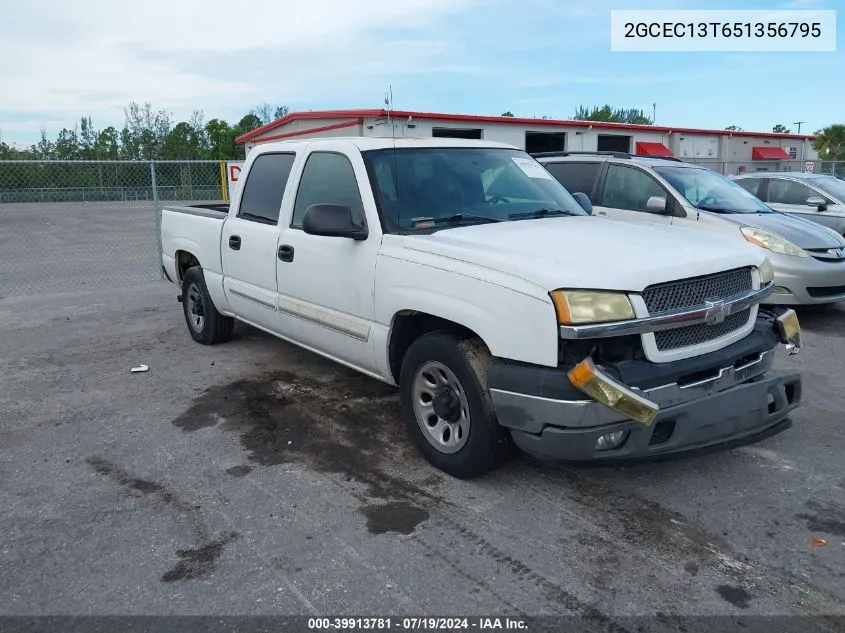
[446, 405]
[205, 323]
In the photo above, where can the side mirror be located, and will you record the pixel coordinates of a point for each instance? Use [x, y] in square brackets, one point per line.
[817, 201]
[584, 201]
[332, 220]
[656, 204]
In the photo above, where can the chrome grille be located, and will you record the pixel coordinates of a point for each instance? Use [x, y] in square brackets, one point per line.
[701, 333]
[691, 293]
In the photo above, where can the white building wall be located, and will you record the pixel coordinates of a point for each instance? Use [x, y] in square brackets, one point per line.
[729, 154]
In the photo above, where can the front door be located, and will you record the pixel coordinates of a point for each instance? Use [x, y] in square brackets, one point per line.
[790, 196]
[625, 194]
[248, 248]
[325, 284]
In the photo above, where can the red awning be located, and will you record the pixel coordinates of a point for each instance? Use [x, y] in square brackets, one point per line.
[769, 153]
[652, 149]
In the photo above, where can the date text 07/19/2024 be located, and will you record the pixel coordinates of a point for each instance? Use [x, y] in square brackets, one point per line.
[416, 624]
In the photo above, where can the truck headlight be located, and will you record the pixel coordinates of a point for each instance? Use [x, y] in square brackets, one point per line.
[591, 306]
[604, 389]
[767, 273]
[772, 242]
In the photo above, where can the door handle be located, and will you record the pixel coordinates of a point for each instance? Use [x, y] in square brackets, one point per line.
[235, 242]
[286, 253]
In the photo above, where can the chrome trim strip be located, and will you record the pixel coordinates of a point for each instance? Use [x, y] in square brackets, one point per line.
[264, 304]
[668, 320]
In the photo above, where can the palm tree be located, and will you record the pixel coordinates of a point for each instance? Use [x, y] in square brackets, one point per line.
[830, 142]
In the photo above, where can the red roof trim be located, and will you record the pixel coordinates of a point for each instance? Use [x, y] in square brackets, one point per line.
[652, 149]
[324, 128]
[769, 153]
[472, 118]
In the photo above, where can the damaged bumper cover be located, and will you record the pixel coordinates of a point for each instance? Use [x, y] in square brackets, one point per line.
[635, 409]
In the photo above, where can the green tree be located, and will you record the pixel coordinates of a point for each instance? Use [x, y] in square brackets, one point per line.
[508, 113]
[107, 145]
[67, 145]
[609, 114]
[180, 143]
[733, 128]
[830, 142]
[247, 124]
[87, 138]
[266, 113]
[44, 149]
[781, 129]
[147, 129]
[221, 140]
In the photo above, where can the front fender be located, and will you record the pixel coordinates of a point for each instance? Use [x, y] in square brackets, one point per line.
[513, 325]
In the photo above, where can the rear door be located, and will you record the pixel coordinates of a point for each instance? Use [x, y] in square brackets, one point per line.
[624, 195]
[790, 196]
[326, 284]
[248, 245]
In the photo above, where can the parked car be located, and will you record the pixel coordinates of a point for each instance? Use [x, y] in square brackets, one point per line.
[462, 272]
[808, 259]
[816, 197]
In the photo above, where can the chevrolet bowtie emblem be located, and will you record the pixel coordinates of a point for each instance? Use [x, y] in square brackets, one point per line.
[715, 311]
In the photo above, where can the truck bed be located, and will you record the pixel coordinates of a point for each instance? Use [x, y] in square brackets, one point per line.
[195, 229]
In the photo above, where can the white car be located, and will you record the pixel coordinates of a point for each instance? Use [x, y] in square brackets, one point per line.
[462, 272]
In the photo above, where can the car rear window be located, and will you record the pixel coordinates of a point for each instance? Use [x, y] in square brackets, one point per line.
[575, 176]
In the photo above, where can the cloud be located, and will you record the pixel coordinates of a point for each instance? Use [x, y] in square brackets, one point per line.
[94, 56]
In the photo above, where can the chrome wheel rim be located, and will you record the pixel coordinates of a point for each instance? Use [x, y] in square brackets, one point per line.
[196, 316]
[441, 407]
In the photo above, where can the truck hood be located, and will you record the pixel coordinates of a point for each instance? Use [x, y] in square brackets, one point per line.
[804, 233]
[589, 252]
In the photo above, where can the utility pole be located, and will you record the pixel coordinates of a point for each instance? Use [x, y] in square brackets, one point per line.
[654, 113]
[798, 123]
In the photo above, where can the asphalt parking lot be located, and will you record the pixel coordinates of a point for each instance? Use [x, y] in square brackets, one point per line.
[256, 478]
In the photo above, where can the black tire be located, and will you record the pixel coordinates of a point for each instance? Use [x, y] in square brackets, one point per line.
[487, 444]
[212, 327]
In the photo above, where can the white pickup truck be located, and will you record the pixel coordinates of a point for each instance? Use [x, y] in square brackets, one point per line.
[462, 272]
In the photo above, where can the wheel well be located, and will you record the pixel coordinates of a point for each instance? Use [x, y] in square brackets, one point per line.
[409, 326]
[184, 261]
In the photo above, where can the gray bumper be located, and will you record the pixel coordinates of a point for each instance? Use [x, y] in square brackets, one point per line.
[737, 403]
[808, 281]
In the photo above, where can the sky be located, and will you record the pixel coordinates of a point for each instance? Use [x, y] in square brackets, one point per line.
[530, 57]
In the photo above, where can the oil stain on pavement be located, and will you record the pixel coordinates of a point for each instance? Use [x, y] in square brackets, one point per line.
[398, 516]
[199, 562]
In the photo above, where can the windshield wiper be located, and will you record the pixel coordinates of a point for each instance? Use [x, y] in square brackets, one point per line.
[540, 213]
[717, 209]
[458, 218]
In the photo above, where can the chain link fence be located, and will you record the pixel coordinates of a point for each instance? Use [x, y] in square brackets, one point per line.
[69, 226]
[733, 168]
[109, 181]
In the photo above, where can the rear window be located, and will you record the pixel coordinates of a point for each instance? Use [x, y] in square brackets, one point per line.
[264, 188]
[575, 176]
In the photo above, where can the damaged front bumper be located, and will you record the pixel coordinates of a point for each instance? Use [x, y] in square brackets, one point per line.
[634, 409]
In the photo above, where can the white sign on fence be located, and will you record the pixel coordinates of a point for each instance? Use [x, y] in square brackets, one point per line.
[809, 166]
[233, 172]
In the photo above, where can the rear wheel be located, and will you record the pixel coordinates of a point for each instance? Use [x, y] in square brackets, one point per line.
[447, 407]
[205, 323]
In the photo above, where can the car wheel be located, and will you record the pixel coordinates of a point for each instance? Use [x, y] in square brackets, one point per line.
[447, 407]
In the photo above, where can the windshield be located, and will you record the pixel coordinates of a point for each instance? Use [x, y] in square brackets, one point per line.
[442, 187]
[709, 191]
[832, 185]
